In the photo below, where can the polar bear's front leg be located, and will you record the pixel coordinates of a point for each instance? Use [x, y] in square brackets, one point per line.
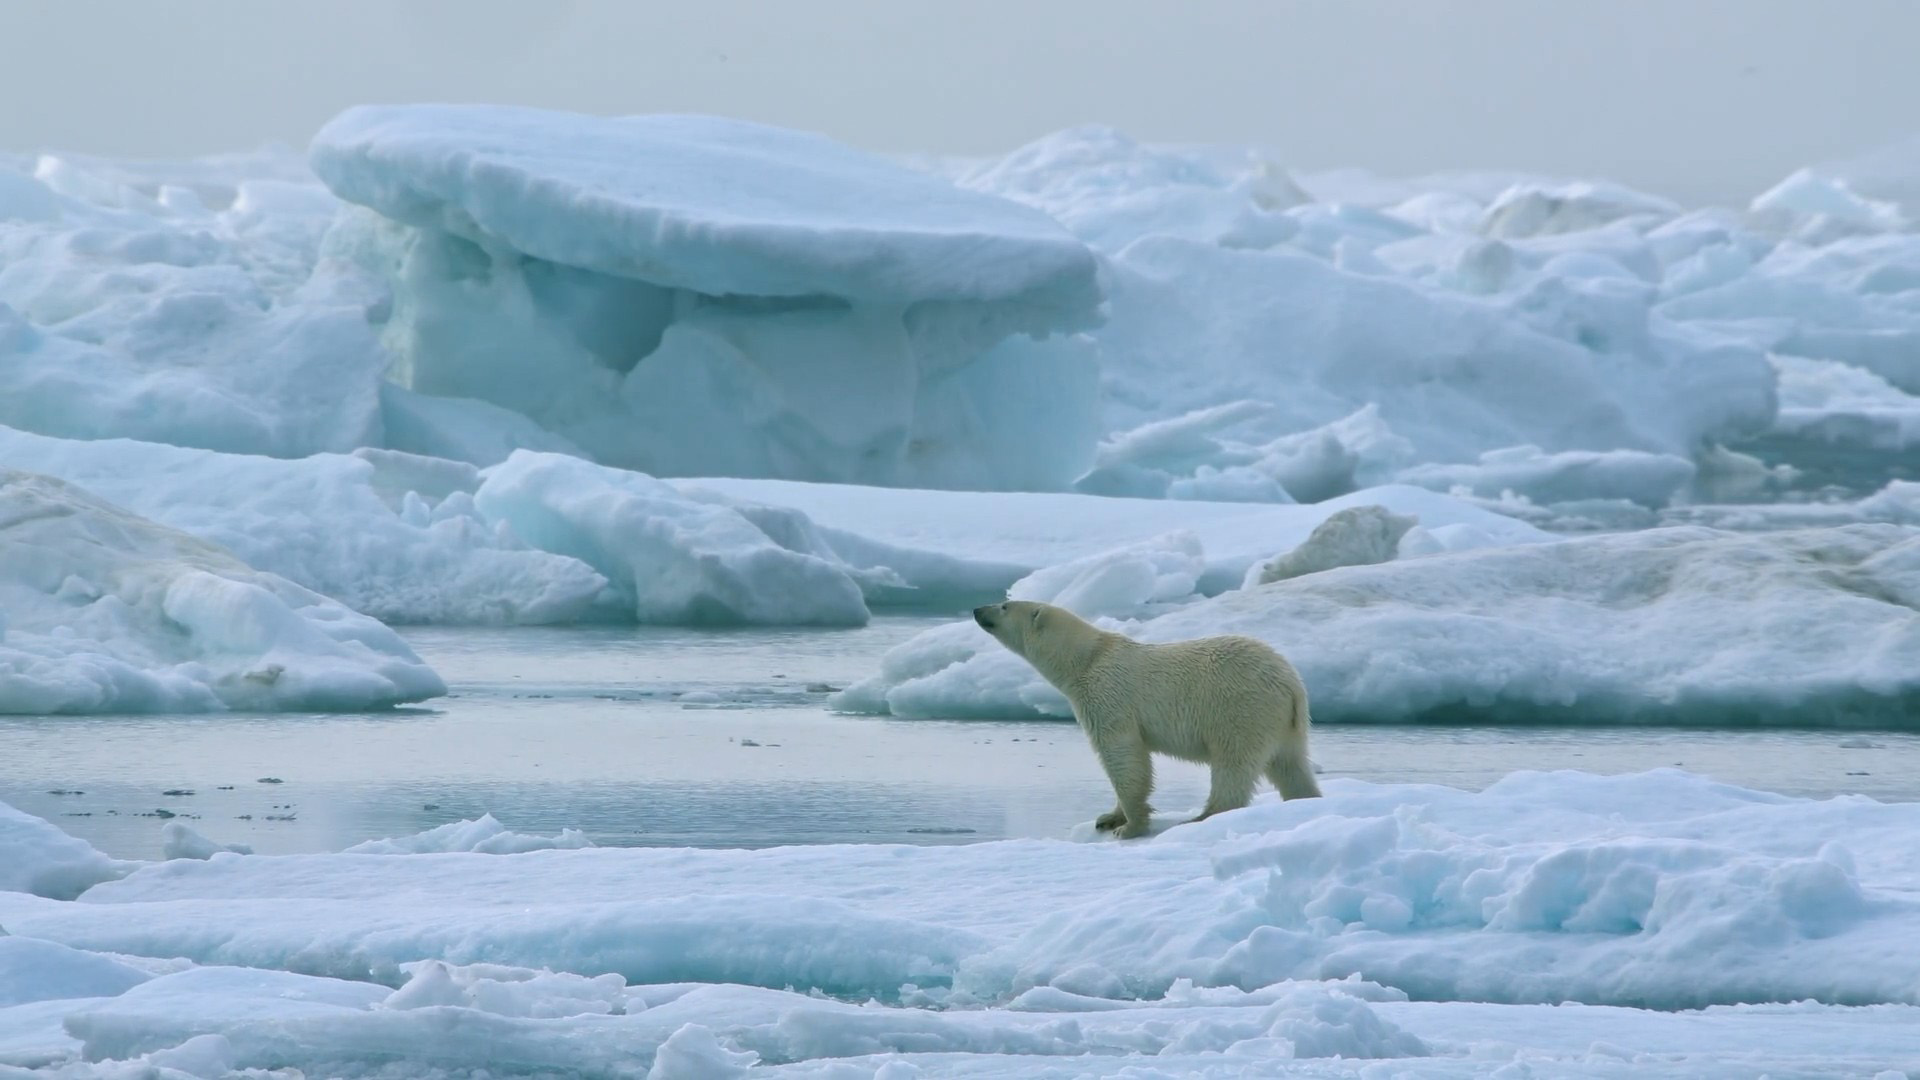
[1129, 768]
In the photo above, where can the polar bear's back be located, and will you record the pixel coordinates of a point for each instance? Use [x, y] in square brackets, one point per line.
[1192, 699]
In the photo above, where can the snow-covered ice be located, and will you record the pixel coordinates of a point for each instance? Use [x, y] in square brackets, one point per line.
[546, 538]
[1682, 625]
[1551, 921]
[106, 611]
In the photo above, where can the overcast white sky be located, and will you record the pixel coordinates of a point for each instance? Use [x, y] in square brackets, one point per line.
[1700, 99]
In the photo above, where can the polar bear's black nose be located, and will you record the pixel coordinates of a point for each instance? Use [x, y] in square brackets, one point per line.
[984, 616]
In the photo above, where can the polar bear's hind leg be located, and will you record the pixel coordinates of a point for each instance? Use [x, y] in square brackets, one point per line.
[1232, 788]
[1292, 775]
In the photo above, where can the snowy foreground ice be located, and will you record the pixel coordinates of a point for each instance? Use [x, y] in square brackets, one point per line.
[1556, 924]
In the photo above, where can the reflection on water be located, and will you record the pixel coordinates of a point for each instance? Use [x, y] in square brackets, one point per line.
[549, 729]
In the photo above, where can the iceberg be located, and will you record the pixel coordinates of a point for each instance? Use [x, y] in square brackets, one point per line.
[687, 294]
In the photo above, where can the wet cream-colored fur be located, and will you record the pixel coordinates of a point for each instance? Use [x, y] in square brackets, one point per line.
[1230, 702]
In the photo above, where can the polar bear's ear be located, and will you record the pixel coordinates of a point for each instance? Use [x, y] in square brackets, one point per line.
[1037, 612]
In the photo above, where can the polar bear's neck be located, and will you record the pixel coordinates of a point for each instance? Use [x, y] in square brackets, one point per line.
[1065, 659]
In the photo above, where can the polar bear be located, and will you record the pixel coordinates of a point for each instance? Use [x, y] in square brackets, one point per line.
[1230, 702]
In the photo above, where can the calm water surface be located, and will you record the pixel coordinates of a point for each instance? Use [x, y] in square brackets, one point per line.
[721, 738]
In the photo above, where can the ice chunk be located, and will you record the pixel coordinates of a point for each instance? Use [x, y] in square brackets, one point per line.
[1356, 536]
[508, 991]
[1569, 364]
[1148, 460]
[109, 612]
[1842, 406]
[1896, 503]
[177, 841]
[33, 970]
[1124, 581]
[338, 524]
[692, 1053]
[1650, 480]
[205, 1057]
[1806, 193]
[952, 673]
[1111, 190]
[1849, 300]
[672, 559]
[1536, 209]
[38, 858]
[483, 834]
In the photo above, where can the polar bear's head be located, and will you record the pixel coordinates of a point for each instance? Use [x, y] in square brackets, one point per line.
[1055, 641]
[1013, 622]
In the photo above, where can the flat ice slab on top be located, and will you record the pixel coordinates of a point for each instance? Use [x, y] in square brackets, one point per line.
[714, 205]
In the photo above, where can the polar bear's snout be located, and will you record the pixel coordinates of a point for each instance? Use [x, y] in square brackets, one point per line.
[988, 615]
